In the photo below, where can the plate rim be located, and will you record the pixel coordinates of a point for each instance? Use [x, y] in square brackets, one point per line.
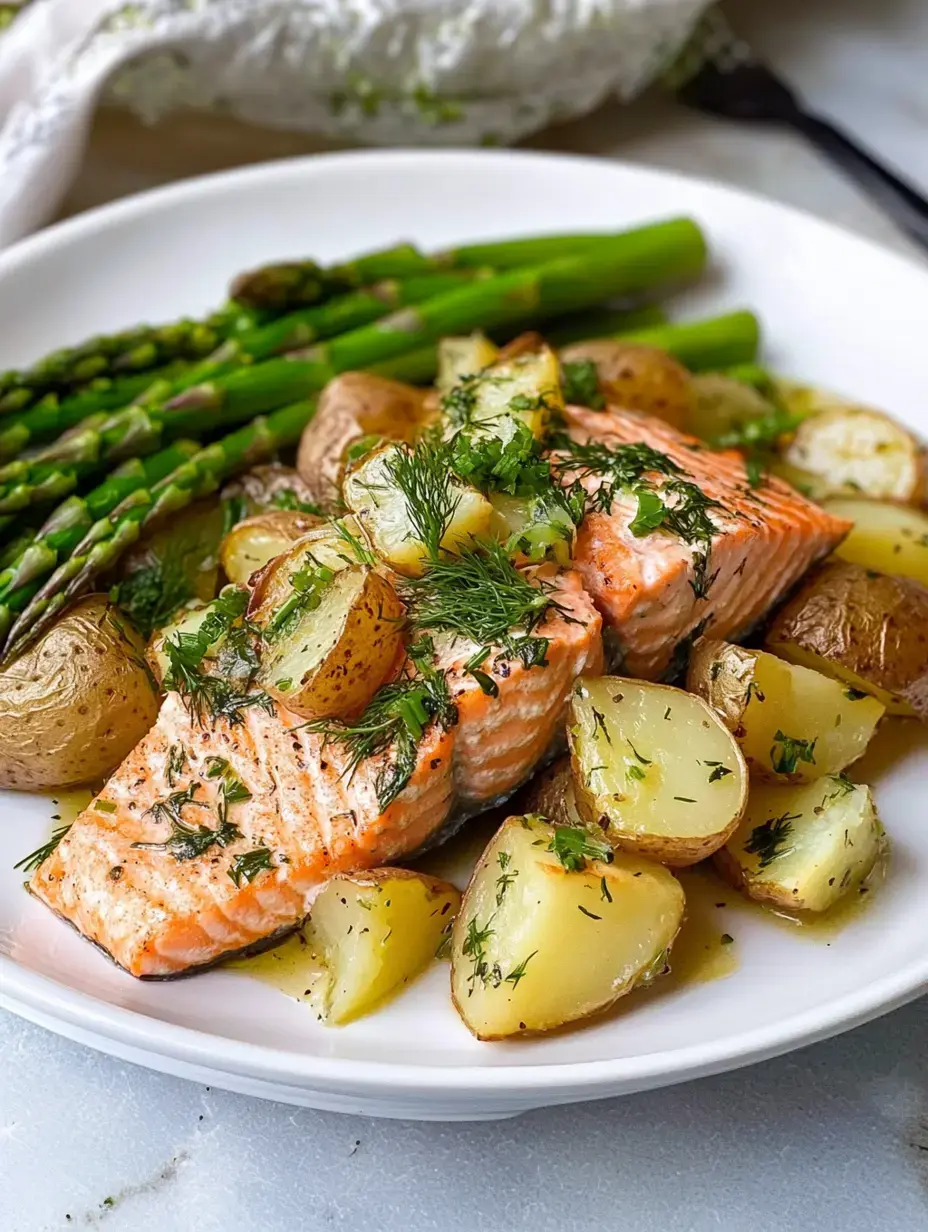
[27, 992]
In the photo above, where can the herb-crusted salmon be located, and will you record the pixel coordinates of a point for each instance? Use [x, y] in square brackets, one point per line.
[675, 541]
[213, 837]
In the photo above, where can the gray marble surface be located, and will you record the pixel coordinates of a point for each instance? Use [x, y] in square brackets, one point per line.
[833, 1138]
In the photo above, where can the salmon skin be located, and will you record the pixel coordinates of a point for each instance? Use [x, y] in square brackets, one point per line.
[302, 816]
[656, 591]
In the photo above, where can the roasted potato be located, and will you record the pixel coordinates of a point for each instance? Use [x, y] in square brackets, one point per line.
[524, 387]
[373, 933]
[536, 901]
[74, 705]
[654, 768]
[173, 565]
[266, 488]
[461, 357]
[636, 377]
[722, 404]
[803, 848]
[534, 528]
[354, 406]
[374, 496]
[551, 793]
[866, 629]
[886, 538]
[252, 543]
[793, 724]
[852, 451]
[331, 637]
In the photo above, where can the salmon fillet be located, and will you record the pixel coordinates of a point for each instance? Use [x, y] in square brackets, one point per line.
[646, 585]
[158, 916]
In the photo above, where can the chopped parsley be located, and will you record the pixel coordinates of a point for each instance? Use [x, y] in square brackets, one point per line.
[788, 751]
[574, 846]
[309, 583]
[718, 771]
[580, 383]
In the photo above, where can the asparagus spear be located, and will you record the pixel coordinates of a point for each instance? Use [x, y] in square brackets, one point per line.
[48, 420]
[108, 538]
[43, 549]
[626, 263]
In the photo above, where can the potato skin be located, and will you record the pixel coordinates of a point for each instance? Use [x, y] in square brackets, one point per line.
[551, 793]
[261, 488]
[870, 624]
[77, 702]
[638, 378]
[354, 405]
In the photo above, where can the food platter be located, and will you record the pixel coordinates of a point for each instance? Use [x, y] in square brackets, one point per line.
[815, 289]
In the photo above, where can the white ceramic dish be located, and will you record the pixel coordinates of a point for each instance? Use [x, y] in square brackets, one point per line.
[836, 310]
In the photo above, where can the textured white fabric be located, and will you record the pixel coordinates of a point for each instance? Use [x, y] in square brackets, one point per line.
[375, 71]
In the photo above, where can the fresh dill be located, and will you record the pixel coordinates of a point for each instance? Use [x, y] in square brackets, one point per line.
[395, 720]
[474, 947]
[854, 695]
[423, 475]
[361, 554]
[719, 771]
[286, 498]
[480, 595]
[620, 467]
[246, 866]
[29, 863]
[234, 790]
[767, 841]
[177, 762]
[574, 846]
[604, 891]
[843, 787]
[788, 751]
[580, 383]
[152, 593]
[188, 841]
[505, 879]
[518, 973]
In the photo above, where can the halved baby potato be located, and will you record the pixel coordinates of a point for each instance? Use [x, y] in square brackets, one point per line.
[885, 537]
[268, 487]
[722, 404]
[252, 543]
[533, 528]
[353, 406]
[330, 637]
[865, 629]
[551, 793]
[460, 357]
[525, 387]
[637, 377]
[848, 451]
[793, 725]
[539, 942]
[803, 848]
[374, 932]
[654, 769]
[373, 494]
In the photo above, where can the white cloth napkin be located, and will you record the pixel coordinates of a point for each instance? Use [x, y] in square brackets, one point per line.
[375, 71]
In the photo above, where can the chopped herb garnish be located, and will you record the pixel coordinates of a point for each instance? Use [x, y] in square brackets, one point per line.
[580, 383]
[424, 476]
[636, 772]
[187, 841]
[286, 498]
[29, 863]
[788, 751]
[518, 973]
[104, 806]
[309, 583]
[247, 866]
[177, 761]
[475, 948]
[645, 761]
[604, 891]
[650, 515]
[718, 772]
[854, 695]
[767, 841]
[573, 846]
[589, 913]
[726, 939]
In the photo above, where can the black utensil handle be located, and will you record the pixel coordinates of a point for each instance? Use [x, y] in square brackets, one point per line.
[902, 201]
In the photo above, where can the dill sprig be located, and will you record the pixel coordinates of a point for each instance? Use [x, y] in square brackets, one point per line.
[620, 467]
[480, 595]
[246, 866]
[424, 475]
[768, 839]
[395, 719]
[573, 846]
[29, 863]
[188, 841]
[788, 751]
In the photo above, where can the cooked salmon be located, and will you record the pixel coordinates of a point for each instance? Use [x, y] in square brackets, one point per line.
[306, 818]
[653, 590]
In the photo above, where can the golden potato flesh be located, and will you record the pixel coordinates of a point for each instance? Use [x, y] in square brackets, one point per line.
[655, 770]
[793, 724]
[803, 848]
[77, 702]
[637, 377]
[524, 387]
[887, 538]
[373, 494]
[547, 934]
[866, 629]
[463, 356]
[252, 543]
[848, 451]
[330, 638]
[374, 932]
[353, 406]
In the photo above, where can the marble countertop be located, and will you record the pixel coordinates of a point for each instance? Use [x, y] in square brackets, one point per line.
[833, 1138]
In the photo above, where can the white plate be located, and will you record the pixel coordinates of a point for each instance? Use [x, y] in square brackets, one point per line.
[836, 310]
